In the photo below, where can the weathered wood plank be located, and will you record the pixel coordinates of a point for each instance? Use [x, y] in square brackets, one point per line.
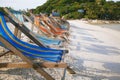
[53, 65]
[16, 32]
[19, 34]
[25, 65]
[15, 65]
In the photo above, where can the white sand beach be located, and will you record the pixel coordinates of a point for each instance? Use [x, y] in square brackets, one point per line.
[94, 54]
[97, 51]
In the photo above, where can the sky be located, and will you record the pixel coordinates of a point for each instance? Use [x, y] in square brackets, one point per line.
[24, 4]
[21, 4]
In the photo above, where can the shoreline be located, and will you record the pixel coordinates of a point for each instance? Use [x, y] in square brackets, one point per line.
[103, 22]
[99, 21]
[112, 26]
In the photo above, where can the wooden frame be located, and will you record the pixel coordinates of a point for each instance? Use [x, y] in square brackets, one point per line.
[29, 63]
[20, 26]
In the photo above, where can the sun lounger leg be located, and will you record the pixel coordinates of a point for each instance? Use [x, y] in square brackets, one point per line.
[63, 78]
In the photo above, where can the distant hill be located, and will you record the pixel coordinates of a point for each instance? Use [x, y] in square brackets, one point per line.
[76, 9]
[65, 7]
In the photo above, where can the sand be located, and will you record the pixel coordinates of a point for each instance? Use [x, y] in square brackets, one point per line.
[97, 50]
[94, 55]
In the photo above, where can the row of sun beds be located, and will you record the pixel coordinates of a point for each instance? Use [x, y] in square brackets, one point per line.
[40, 49]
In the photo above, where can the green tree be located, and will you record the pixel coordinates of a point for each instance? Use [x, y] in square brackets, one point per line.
[93, 9]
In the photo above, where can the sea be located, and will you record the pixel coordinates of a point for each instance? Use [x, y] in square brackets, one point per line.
[110, 26]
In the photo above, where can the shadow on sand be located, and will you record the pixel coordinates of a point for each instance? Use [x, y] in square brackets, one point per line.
[102, 49]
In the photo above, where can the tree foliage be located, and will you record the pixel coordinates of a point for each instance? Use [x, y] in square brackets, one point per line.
[93, 9]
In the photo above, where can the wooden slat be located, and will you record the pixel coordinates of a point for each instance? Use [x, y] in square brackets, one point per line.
[16, 31]
[26, 17]
[16, 19]
[25, 65]
[15, 65]
[53, 65]
[19, 34]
